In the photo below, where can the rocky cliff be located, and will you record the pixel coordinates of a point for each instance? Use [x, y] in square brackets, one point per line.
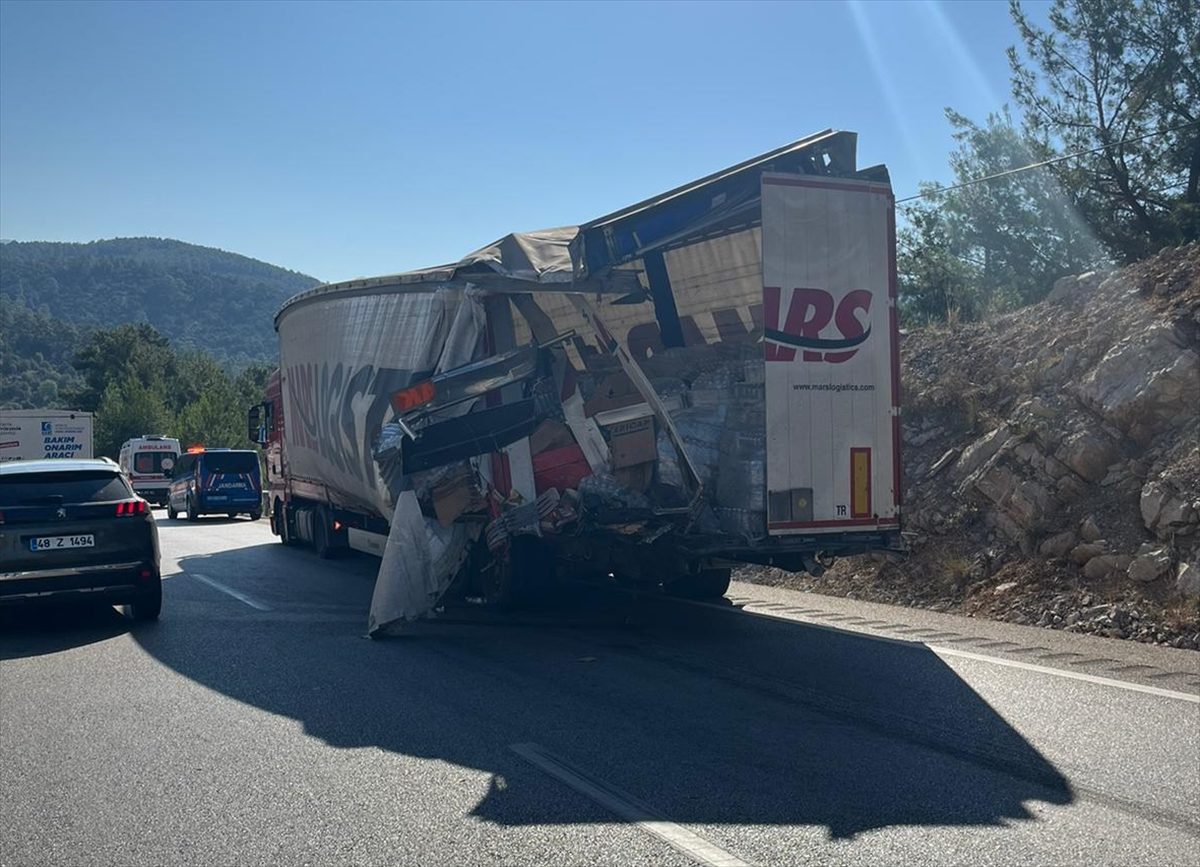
[1053, 461]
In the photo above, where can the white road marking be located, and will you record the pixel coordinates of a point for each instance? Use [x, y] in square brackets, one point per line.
[1073, 675]
[629, 808]
[979, 657]
[236, 594]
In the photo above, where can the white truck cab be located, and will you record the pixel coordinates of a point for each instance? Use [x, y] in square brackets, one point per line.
[147, 462]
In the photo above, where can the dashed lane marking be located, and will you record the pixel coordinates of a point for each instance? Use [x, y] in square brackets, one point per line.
[629, 808]
[229, 591]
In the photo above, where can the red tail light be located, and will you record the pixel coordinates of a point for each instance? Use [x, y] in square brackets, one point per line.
[411, 398]
[136, 507]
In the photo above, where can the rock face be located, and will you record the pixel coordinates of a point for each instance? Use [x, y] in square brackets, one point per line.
[1165, 510]
[1187, 580]
[1058, 545]
[1088, 453]
[1146, 381]
[1150, 564]
[1065, 434]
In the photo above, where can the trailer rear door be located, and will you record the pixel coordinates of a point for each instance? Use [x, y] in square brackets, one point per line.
[831, 351]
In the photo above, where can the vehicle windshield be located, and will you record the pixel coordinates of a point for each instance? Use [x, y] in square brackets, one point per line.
[230, 462]
[153, 462]
[85, 486]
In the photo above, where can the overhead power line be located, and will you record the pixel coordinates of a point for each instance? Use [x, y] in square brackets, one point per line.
[1043, 163]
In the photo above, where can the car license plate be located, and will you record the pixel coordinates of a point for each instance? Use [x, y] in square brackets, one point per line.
[54, 543]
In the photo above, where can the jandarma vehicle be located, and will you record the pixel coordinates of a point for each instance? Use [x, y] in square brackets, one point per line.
[74, 530]
[211, 481]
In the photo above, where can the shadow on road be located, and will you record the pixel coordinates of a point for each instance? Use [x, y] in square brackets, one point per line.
[708, 716]
[43, 629]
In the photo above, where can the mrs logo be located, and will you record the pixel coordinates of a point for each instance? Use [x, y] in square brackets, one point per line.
[810, 312]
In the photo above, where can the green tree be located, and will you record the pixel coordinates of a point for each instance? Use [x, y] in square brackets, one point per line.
[215, 419]
[132, 351]
[1110, 76]
[937, 282]
[251, 383]
[194, 373]
[992, 246]
[129, 407]
[47, 392]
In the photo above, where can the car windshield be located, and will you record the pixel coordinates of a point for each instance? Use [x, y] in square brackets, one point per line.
[152, 462]
[230, 462]
[85, 486]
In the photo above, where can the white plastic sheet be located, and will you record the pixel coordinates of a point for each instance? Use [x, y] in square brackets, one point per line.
[422, 557]
[418, 565]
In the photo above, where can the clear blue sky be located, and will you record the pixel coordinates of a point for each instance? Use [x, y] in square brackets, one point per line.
[346, 139]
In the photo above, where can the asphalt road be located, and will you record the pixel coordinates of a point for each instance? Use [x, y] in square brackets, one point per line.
[254, 724]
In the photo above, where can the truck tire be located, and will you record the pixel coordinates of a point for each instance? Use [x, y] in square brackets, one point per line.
[706, 584]
[322, 535]
[280, 525]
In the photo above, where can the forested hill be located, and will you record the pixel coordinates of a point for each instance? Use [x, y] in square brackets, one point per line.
[199, 297]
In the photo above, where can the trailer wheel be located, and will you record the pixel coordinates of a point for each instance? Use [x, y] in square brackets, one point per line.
[705, 584]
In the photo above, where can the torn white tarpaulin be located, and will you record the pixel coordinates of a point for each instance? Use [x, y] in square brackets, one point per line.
[418, 564]
[422, 557]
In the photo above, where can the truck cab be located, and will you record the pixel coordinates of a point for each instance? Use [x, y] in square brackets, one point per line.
[147, 462]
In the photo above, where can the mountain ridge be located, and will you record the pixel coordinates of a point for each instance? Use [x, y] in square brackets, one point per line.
[199, 297]
[55, 294]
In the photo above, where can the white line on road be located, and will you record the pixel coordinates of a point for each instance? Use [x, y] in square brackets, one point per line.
[1073, 675]
[953, 651]
[629, 808]
[236, 594]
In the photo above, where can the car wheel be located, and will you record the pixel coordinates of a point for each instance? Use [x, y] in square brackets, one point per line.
[192, 514]
[148, 606]
[231, 515]
[171, 513]
[256, 515]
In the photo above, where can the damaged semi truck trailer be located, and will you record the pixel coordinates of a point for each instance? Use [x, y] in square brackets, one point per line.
[704, 378]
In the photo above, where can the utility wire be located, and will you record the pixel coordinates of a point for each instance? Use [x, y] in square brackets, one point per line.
[1043, 163]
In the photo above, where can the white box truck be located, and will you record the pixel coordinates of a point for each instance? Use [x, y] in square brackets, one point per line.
[33, 434]
[707, 377]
